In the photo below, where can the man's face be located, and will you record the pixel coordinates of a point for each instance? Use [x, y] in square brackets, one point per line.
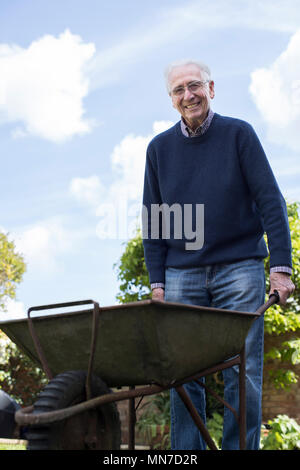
[193, 106]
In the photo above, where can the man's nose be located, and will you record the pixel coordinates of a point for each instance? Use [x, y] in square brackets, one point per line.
[188, 94]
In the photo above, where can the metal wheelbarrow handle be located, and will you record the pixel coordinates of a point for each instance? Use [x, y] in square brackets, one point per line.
[37, 344]
[274, 298]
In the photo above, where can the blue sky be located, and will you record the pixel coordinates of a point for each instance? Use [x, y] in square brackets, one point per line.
[81, 94]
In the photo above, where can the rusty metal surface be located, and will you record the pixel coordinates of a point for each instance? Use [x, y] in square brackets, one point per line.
[241, 321]
[138, 343]
[196, 417]
[25, 416]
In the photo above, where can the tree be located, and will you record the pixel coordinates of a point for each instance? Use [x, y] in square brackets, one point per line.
[19, 377]
[12, 268]
[132, 272]
[133, 275]
[280, 320]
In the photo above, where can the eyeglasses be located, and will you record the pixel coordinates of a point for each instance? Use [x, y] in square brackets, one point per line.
[193, 87]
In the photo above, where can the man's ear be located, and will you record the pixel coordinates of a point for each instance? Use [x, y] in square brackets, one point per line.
[173, 104]
[212, 89]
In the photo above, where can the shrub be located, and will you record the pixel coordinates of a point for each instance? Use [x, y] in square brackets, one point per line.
[284, 434]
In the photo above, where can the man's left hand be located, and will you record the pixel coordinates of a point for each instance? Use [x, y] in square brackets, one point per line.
[283, 284]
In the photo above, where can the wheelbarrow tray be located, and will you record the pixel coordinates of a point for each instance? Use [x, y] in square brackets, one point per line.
[138, 343]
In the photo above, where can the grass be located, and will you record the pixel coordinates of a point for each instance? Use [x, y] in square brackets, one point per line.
[12, 444]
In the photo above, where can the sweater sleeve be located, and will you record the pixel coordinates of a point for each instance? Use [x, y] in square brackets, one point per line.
[155, 248]
[267, 196]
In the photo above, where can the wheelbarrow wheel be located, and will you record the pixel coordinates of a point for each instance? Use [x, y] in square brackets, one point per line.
[65, 390]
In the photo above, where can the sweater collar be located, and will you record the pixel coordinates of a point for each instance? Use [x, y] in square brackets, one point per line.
[187, 132]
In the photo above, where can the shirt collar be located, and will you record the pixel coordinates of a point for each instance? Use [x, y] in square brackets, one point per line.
[201, 129]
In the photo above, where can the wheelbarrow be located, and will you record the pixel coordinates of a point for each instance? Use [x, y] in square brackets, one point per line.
[146, 347]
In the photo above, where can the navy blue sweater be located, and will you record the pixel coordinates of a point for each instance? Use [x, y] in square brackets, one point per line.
[227, 171]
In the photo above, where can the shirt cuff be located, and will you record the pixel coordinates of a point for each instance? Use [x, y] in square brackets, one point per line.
[155, 285]
[281, 269]
[275, 269]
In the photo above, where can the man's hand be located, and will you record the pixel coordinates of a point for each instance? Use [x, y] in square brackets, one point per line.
[283, 284]
[158, 294]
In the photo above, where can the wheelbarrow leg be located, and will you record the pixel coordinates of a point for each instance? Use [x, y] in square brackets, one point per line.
[195, 416]
[131, 422]
[242, 399]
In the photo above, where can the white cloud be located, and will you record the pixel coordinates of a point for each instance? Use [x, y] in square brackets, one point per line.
[270, 15]
[88, 190]
[42, 244]
[128, 162]
[276, 93]
[128, 165]
[185, 21]
[42, 87]
[14, 310]
[122, 198]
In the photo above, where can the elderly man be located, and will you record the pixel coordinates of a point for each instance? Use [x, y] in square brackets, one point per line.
[217, 164]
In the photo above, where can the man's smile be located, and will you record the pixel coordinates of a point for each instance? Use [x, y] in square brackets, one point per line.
[193, 105]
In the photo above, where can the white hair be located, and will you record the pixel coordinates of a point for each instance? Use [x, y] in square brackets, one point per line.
[180, 63]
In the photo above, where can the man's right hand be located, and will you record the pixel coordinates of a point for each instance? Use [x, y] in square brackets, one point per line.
[158, 293]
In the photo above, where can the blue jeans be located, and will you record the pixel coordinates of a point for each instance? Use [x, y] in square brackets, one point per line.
[234, 286]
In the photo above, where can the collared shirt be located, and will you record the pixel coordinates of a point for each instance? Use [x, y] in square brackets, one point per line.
[188, 132]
